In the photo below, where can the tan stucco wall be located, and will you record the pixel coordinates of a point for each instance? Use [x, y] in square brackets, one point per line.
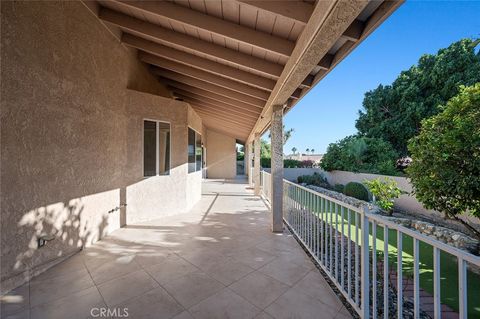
[71, 136]
[221, 155]
[154, 197]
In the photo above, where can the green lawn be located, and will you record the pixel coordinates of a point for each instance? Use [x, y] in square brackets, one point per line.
[448, 265]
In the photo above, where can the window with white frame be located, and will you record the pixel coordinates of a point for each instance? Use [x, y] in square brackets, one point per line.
[156, 148]
[194, 151]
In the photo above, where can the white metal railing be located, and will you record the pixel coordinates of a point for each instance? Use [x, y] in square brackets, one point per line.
[346, 241]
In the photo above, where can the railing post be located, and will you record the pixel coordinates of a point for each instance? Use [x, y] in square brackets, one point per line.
[365, 281]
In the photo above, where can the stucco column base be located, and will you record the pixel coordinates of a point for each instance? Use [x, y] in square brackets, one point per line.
[256, 165]
[276, 131]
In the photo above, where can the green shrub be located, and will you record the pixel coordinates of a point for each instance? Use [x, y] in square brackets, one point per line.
[315, 179]
[445, 169]
[360, 154]
[357, 190]
[339, 188]
[385, 192]
[265, 162]
[291, 163]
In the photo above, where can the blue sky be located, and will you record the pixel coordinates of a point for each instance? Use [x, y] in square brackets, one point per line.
[328, 112]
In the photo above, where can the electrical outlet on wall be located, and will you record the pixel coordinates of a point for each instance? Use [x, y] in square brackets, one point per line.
[43, 239]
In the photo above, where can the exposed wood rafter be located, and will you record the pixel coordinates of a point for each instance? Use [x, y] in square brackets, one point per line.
[174, 85]
[259, 103]
[159, 34]
[215, 25]
[201, 75]
[295, 10]
[198, 62]
[234, 109]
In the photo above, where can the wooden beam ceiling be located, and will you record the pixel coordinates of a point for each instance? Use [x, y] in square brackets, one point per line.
[232, 122]
[172, 66]
[221, 112]
[230, 110]
[199, 63]
[212, 96]
[259, 103]
[298, 11]
[354, 31]
[213, 121]
[239, 137]
[326, 62]
[227, 130]
[235, 71]
[327, 23]
[234, 109]
[215, 25]
[232, 119]
[159, 34]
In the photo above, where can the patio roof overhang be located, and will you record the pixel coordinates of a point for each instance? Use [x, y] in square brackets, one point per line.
[233, 60]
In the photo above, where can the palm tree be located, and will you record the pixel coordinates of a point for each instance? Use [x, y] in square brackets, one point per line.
[312, 150]
[294, 150]
[307, 150]
[286, 134]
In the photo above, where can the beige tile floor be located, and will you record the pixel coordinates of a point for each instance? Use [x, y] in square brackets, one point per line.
[219, 260]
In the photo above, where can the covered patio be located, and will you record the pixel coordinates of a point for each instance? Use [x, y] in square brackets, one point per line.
[118, 156]
[219, 260]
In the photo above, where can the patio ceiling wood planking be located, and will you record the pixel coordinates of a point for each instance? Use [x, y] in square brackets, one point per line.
[233, 53]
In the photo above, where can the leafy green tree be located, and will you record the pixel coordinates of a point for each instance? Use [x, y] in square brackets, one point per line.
[394, 112]
[445, 170]
[360, 154]
[265, 149]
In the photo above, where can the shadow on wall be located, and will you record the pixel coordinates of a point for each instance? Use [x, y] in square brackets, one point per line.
[67, 226]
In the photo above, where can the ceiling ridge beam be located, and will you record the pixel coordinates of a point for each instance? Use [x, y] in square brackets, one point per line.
[256, 102]
[213, 96]
[169, 37]
[215, 25]
[199, 62]
[202, 75]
